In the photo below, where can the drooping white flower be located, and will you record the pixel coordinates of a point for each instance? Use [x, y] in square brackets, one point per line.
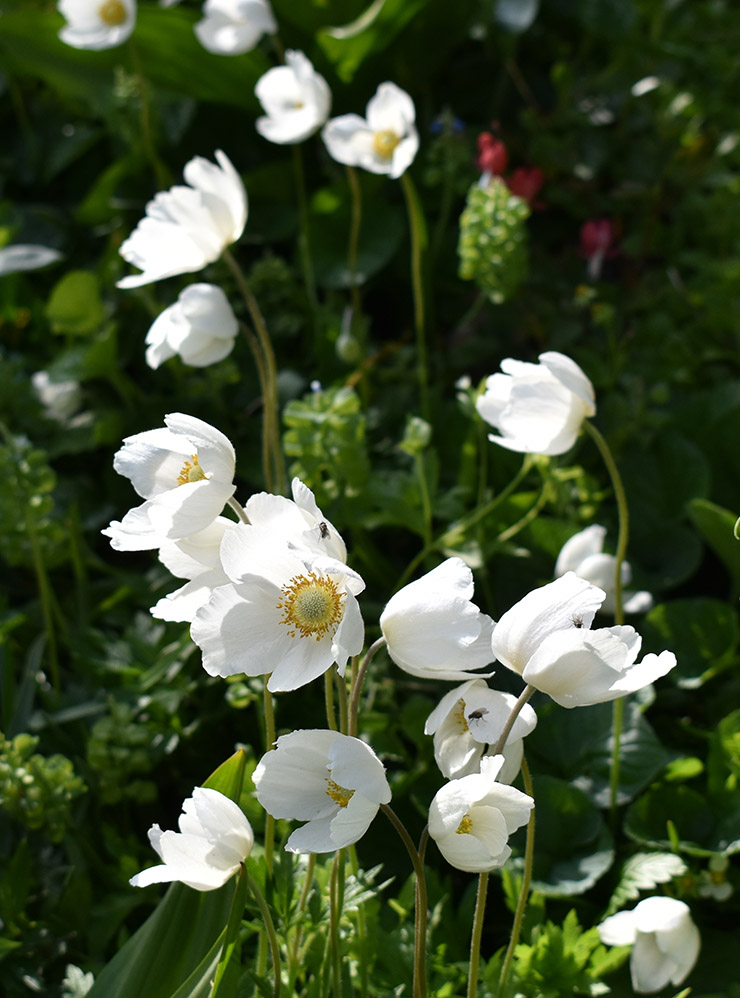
[287, 612]
[200, 327]
[537, 408]
[665, 942]
[384, 142]
[214, 840]
[296, 100]
[187, 227]
[583, 554]
[97, 24]
[472, 818]
[432, 628]
[198, 559]
[60, 399]
[232, 27]
[184, 471]
[333, 782]
[546, 639]
[470, 717]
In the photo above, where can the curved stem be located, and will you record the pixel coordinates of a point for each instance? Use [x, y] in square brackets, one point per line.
[475, 938]
[304, 239]
[334, 916]
[417, 226]
[239, 510]
[354, 704]
[269, 742]
[329, 699]
[526, 880]
[45, 595]
[420, 925]
[271, 934]
[354, 243]
[622, 540]
[525, 695]
[426, 505]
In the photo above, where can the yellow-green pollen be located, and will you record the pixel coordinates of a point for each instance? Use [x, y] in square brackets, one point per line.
[340, 795]
[312, 606]
[191, 471]
[466, 826]
[458, 715]
[385, 142]
[112, 13]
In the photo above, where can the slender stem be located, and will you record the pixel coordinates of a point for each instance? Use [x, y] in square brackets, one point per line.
[525, 695]
[417, 227]
[304, 238]
[329, 699]
[354, 243]
[475, 938]
[269, 742]
[334, 916]
[354, 704]
[161, 172]
[420, 927]
[343, 704]
[238, 509]
[267, 430]
[526, 880]
[45, 595]
[426, 505]
[271, 934]
[300, 908]
[529, 516]
[622, 541]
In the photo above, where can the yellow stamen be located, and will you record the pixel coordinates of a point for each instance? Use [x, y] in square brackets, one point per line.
[458, 715]
[112, 13]
[385, 142]
[340, 795]
[312, 606]
[191, 471]
[466, 826]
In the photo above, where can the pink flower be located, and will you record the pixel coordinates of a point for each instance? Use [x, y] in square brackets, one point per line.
[597, 241]
[492, 155]
[526, 182]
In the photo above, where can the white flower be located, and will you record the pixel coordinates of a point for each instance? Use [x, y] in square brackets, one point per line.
[214, 840]
[472, 818]
[60, 399]
[232, 27]
[332, 781]
[537, 408]
[584, 554]
[296, 100]
[97, 24]
[186, 228]
[287, 612]
[546, 639]
[384, 143]
[433, 630]
[200, 327]
[470, 717]
[197, 558]
[184, 471]
[664, 938]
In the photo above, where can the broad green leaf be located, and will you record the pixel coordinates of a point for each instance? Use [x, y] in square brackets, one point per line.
[702, 633]
[717, 527]
[75, 306]
[700, 826]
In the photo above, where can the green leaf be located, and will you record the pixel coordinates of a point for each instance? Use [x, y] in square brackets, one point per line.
[75, 305]
[699, 825]
[703, 633]
[643, 872]
[717, 527]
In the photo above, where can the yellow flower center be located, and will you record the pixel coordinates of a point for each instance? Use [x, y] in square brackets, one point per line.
[340, 795]
[112, 13]
[458, 715]
[312, 606]
[466, 826]
[385, 142]
[191, 471]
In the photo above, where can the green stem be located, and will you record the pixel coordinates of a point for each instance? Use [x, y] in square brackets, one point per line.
[231, 938]
[329, 699]
[271, 934]
[417, 226]
[161, 172]
[622, 541]
[420, 925]
[354, 243]
[475, 938]
[524, 696]
[334, 916]
[46, 602]
[354, 704]
[304, 238]
[239, 510]
[300, 908]
[267, 430]
[426, 505]
[269, 743]
[526, 880]
[343, 704]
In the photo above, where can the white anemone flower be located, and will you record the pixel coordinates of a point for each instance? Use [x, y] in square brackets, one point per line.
[537, 408]
[289, 613]
[184, 471]
[470, 717]
[232, 27]
[187, 227]
[60, 399]
[198, 559]
[200, 327]
[384, 142]
[97, 24]
[472, 818]
[214, 840]
[665, 942]
[298, 522]
[584, 554]
[296, 100]
[433, 630]
[333, 782]
[546, 639]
